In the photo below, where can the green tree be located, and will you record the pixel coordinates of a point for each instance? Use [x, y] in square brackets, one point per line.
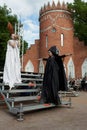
[23, 48]
[79, 14]
[5, 17]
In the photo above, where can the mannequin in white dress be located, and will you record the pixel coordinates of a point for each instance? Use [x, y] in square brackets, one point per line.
[12, 67]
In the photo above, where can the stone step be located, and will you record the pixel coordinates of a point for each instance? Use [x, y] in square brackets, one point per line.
[26, 108]
[22, 98]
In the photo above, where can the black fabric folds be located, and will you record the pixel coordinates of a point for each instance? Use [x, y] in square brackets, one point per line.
[54, 79]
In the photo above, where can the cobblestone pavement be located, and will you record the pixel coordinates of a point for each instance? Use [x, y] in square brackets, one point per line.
[59, 118]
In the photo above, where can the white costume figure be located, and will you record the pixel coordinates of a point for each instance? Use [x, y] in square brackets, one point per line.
[12, 68]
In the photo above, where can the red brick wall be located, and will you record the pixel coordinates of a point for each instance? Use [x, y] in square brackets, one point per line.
[80, 53]
[63, 24]
[32, 54]
[54, 38]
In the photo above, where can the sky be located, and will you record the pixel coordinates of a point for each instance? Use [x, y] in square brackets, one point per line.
[27, 12]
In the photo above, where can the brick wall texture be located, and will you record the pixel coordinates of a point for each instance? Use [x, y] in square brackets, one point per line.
[55, 22]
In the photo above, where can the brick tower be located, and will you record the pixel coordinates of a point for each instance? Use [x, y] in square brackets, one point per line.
[56, 28]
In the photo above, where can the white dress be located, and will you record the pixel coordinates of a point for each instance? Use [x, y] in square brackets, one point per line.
[12, 68]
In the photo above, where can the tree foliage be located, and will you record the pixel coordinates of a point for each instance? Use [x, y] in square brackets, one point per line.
[79, 15]
[5, 17]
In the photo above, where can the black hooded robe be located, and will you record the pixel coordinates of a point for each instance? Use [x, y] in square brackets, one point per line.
[54, 80]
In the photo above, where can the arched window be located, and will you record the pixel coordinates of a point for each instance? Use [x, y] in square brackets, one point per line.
[62, 39]
[71, 70]
[29, 67]
[41, 67]
[84, 68]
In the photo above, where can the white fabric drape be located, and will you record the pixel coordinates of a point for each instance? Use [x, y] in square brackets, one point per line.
[12, 68]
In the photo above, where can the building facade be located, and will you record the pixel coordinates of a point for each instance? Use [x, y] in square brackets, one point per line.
[56, 28]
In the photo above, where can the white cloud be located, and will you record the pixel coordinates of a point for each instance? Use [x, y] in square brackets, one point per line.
[31, 31]
[30, 36]
[31, 25]
[26, 10]
[19, 7]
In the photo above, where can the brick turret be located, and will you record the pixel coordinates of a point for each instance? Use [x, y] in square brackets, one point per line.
[56, 26]
[49, 7]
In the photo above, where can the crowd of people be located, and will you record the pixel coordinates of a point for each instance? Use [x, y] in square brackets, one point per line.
[79, 84]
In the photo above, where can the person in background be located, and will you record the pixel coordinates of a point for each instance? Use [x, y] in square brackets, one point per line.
[54, 77]
[12, 67]
[31, 85]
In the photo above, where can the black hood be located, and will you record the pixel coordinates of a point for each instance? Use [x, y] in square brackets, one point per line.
[54, 50]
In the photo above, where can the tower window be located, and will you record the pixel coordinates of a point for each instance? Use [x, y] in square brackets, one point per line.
[53, 29]
[62, 39]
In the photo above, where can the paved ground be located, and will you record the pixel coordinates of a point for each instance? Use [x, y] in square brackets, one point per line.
[61, 118]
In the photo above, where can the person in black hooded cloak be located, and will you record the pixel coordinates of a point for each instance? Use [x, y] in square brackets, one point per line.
[54, 77]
